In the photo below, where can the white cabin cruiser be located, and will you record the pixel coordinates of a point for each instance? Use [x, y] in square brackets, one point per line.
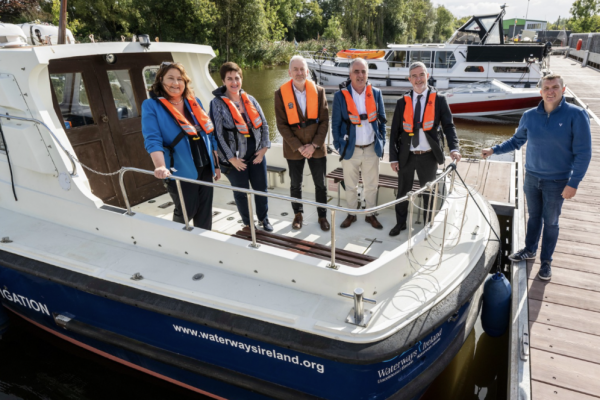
[475, 52]
[95, 259]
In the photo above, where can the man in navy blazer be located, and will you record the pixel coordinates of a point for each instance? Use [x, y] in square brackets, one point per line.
[358, 127]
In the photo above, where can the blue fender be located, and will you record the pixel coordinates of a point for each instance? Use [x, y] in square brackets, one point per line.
[495, 312]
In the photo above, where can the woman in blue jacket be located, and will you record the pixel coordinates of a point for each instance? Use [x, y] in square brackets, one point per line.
[179, 136]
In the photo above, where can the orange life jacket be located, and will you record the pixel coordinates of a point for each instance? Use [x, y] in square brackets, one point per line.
[201, 116]
[312, 104]
[353, 114]
[428, 115]
[240, 124]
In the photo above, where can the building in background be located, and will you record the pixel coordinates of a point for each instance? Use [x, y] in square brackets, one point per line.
[514, 26]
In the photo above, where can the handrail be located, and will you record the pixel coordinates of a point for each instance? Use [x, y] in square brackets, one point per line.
[37, 121]
[249, 192]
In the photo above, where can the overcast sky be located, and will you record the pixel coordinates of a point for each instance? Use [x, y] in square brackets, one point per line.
[538, 9]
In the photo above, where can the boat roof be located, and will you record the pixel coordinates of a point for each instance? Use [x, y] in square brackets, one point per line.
[43, 54]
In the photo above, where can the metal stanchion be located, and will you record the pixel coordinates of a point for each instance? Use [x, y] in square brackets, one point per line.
[462, 223]
[435, 203]
[428, 211]
[122, 183]
[410, 217]
[252, 227]
[452, 181]
[443, 237]
[183, 210]
[332, 264]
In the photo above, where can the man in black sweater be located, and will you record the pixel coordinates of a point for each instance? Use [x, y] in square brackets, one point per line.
[415, 144]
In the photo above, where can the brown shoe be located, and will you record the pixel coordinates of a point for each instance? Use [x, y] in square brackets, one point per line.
[324, 224]
[348, 221]
[371, 219]
[297, 224]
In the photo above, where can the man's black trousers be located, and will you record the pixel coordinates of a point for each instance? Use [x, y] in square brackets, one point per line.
[426, 166]
[318, 169]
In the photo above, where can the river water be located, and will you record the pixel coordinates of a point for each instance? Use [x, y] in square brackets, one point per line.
[36, 365]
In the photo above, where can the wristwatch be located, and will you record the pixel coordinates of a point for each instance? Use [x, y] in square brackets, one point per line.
[315, 146]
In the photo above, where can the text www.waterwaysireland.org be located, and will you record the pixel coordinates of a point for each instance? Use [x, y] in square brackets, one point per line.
[248, 348]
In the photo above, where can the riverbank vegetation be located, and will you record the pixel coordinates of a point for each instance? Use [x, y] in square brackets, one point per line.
[264, 32]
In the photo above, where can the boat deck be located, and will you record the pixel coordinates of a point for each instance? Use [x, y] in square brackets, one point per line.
[564, 314]
[488, 178]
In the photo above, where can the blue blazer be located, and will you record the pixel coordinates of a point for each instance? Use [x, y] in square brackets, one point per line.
[340, 120]
[159, 129]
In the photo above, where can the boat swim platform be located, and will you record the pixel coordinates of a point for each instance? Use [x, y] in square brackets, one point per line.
[559, 358]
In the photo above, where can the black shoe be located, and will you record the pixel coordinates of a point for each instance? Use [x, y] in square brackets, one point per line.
[397, 229]
[266, 225]
[545, 273]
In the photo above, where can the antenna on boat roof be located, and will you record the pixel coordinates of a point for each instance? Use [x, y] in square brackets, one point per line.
[503, 6]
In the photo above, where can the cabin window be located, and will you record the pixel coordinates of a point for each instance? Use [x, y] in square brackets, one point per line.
[149, 76]
[444, 59]
[398, 60]
[423, 56]
[72, 98]
[474, 68]
[511, 70]
[372, 66]
[122, 93]
[343, 65]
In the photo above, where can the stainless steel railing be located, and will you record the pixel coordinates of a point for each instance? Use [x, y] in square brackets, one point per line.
[450, 170]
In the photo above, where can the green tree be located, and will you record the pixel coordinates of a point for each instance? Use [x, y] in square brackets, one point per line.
[280, 16]
[11, 10]
[240, 26]
[334, 29]
[444, 25]
[585, 16]
[309, 22]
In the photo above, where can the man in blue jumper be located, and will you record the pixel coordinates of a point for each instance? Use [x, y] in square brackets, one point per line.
[558, 155]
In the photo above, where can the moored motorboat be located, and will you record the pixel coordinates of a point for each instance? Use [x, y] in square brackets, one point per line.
[488, 98]
[95, 259]
[475, 52]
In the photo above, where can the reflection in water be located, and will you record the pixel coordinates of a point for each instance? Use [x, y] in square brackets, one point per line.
[477, 372]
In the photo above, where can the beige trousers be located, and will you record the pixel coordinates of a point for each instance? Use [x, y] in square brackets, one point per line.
[366, 161]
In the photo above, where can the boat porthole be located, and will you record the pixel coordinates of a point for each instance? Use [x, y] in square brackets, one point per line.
[197, 277]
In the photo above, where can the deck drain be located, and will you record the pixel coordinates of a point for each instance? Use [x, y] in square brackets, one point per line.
[230, 218]
[231, 203]
[197, 277]
[215, 213]
[151, 201]
[283, 214]
[167, 204]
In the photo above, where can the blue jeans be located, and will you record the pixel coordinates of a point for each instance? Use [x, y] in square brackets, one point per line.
[544, 203]
[255, 174]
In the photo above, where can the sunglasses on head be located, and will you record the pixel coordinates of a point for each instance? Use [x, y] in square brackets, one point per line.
[167, 63]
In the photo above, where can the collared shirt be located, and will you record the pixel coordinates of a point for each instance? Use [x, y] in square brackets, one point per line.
[364, 131]
[301, 98]
[423, 143]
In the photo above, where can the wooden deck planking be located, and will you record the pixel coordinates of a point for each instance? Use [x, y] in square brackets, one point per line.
[565, 342]
[571, 295]
[565, 372]
[564, 313]
[544, 391]
[496, 188]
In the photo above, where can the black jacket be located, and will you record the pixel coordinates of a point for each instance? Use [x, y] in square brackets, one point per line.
[400, 141]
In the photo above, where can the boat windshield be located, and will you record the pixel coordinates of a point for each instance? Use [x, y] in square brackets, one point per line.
[464, 38]
[481, 87]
